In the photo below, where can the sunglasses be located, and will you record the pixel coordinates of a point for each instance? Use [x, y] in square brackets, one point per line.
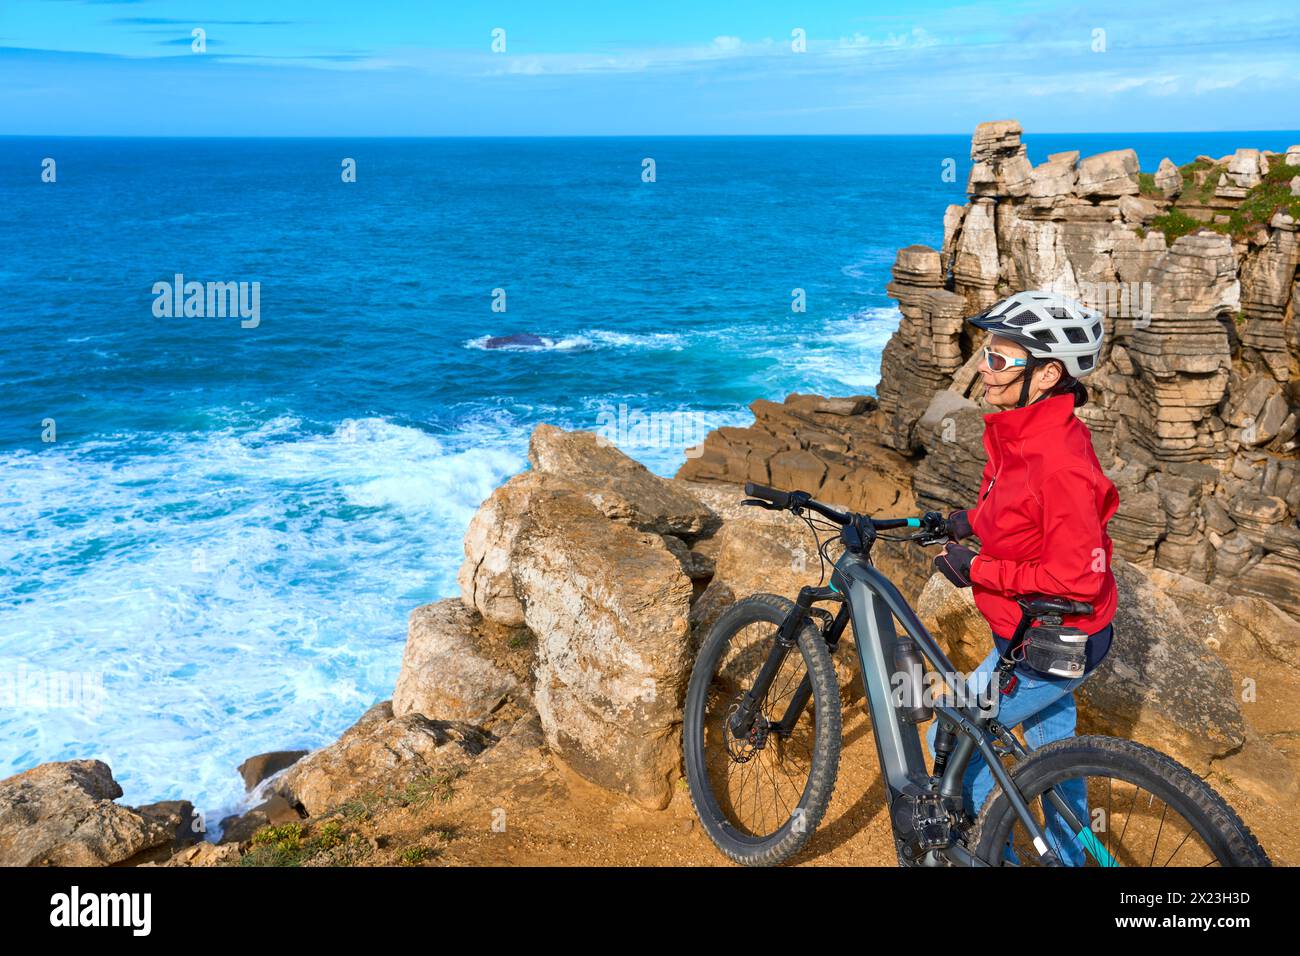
[999, 362]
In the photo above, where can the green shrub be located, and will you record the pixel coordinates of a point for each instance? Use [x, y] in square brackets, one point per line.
[284, 846]
[1176, 223]
[413, 855]
[429, 787]
[1266, 198]
[1204, 192]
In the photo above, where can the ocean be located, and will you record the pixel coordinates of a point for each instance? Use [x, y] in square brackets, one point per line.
[215, 525]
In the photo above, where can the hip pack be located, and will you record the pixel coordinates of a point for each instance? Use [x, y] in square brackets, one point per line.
[1056, 649]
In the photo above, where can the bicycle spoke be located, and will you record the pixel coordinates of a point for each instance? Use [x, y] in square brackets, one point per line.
[745, 770]
[1158, 832]
[1125, 848]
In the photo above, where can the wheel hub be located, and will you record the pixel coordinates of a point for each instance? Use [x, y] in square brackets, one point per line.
[743, 748]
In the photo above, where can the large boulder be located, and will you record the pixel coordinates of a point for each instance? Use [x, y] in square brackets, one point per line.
[378, 753]
[260, 766]
[458, 665]
[567, 464]
[1109, 175]
[623, 489]
[486, 578]
[754, 554]
[609, 606]
[64, 814]
[1168, 179]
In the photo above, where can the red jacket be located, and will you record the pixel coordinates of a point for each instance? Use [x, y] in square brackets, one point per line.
[1041, 518]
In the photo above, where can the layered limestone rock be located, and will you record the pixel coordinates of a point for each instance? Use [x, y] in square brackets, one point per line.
[1180, 353]
[1000, 164]
[1198, 387]
[1268, 301]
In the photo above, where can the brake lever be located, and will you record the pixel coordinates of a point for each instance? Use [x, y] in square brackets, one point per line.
[760, 503]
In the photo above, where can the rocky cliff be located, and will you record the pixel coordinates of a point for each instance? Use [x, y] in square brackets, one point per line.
[1195, 403]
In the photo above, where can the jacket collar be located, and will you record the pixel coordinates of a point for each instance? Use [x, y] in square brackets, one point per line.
[1017, 424]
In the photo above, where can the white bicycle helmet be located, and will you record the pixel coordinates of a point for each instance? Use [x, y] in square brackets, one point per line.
[1049, 326]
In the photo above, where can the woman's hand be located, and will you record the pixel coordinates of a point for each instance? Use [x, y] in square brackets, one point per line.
[959, 525]
[954, 564]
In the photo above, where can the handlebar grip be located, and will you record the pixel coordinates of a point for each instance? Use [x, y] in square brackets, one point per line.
[779, 498]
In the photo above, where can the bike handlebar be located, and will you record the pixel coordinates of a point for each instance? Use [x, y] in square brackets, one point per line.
[779, 498]
[933, 523]
[787, 500]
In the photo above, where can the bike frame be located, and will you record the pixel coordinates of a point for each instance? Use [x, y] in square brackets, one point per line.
[874, 603]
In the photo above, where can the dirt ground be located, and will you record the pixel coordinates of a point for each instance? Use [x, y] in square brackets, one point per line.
[531, 812]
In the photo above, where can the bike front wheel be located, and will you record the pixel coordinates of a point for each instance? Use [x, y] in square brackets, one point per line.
[761, 796]
[1138, 807]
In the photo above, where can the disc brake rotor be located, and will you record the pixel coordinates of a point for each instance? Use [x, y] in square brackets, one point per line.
[742, 750]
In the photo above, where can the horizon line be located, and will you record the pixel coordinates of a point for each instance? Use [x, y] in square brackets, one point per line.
[424, 136]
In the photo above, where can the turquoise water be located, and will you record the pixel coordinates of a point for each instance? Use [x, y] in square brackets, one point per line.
[232, 523]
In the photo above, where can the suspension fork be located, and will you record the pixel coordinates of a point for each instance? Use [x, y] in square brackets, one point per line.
[785, 726]
[742, 721]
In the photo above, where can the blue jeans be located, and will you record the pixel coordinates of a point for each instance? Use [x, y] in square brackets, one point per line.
[1045, 706]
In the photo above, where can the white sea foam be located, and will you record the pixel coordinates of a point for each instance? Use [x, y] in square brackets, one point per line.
[586, 339]
[546, 343]
[236, 591]
[837, 355]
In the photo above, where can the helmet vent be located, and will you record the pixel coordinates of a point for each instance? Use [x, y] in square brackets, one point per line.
[1076, 335]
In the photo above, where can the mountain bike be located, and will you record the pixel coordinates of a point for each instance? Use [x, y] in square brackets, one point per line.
[762, 734]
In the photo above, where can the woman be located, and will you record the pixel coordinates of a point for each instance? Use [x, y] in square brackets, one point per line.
[1040, 518]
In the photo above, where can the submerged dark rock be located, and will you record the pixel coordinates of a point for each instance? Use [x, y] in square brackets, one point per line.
[516, 340]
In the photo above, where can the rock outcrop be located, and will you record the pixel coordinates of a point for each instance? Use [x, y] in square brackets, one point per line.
[379, 751]
[593, 555]
[1196, 400]
[64, 814]
[1193, 414]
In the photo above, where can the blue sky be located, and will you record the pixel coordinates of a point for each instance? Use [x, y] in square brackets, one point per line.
[426, 67]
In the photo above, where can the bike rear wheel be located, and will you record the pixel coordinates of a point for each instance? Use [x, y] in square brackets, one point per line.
[1143, 809]
[761, 797]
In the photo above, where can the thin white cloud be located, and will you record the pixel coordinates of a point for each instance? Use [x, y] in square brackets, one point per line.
[859, 43]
